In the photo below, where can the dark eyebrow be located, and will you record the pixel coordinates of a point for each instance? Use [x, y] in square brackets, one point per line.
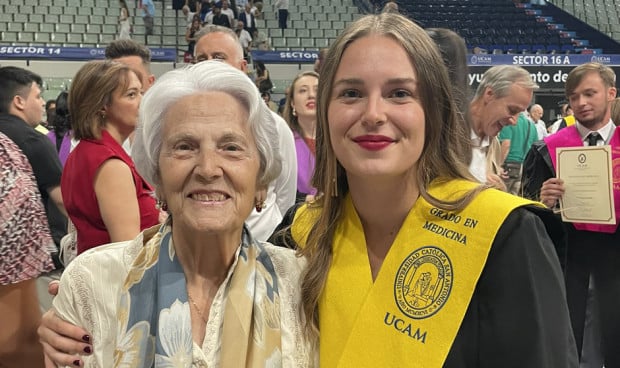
[349, 82]
[402, 81]
[357, 81]
[589, 90]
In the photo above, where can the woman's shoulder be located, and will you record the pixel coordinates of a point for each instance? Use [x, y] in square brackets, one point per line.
[288, 266]
[285, 259]
[297, 351]
[92, 151]
[492, 198]
[101, 261]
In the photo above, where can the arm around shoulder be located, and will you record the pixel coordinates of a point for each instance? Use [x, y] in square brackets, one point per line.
[286, 183]
[73, 305]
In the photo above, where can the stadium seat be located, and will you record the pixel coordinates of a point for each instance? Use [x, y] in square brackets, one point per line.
[51, 18]
[93, 28]
[99, 11]
[58, 37]
[321, 42]
[275, 32]
[15, 27]
[74, 38]
[316, 33]
[278, 42]
[89, 38]
[293, 42]
[319, 17]
[108, 28]
[106, 38]
[154, 40]
[35, 18]
[78, 28]
[307, 42]
[42, 37]
[25, 36]
[8, 36]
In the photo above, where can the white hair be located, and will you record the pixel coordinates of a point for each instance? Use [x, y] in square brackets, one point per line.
[207, 76]
[501, 77]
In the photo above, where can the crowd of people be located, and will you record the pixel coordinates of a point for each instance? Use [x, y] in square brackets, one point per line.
[241, 20]
[373, 223]
[237, 16]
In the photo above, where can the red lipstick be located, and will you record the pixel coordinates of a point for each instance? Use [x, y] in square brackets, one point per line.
[373, 142]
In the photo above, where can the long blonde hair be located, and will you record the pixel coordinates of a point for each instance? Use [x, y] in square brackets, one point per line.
[446, 143]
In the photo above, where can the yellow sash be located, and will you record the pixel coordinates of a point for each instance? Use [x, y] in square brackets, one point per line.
[411, 313]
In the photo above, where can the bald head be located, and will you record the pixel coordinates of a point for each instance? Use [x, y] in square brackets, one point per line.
[536, 112]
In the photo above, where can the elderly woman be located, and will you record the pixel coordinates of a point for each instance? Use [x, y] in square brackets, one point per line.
[197, 291]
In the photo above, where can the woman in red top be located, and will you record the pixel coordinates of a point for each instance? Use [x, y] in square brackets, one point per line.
[106, 198]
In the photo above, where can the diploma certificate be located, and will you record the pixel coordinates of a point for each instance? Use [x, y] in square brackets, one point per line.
[588, 184]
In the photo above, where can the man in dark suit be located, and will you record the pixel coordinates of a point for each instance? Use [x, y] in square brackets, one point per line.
[592, 249]
[248, 19]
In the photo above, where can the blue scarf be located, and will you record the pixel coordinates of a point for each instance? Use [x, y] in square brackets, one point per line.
[154, 315]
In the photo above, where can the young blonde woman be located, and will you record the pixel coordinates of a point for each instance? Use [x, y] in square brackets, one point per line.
[411, 262]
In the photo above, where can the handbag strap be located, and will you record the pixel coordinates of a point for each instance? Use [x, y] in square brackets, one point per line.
[527, 136]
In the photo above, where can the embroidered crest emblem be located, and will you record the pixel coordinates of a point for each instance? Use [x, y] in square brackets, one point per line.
[423, 282]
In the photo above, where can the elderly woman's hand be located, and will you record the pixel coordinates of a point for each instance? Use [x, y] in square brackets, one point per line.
[63, 343]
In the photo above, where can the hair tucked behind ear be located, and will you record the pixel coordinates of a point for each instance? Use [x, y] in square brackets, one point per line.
[446, 144]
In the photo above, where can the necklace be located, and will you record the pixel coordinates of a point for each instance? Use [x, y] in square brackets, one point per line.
[196, 306]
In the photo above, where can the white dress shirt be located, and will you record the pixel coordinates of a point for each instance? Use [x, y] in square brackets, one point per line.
[281, 192]
[478, 164]
[541, 129]
[605, 132]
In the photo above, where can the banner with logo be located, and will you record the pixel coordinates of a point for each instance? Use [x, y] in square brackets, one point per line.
[541, 60]
[547, 77]
[73, 53]
[281, 57]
